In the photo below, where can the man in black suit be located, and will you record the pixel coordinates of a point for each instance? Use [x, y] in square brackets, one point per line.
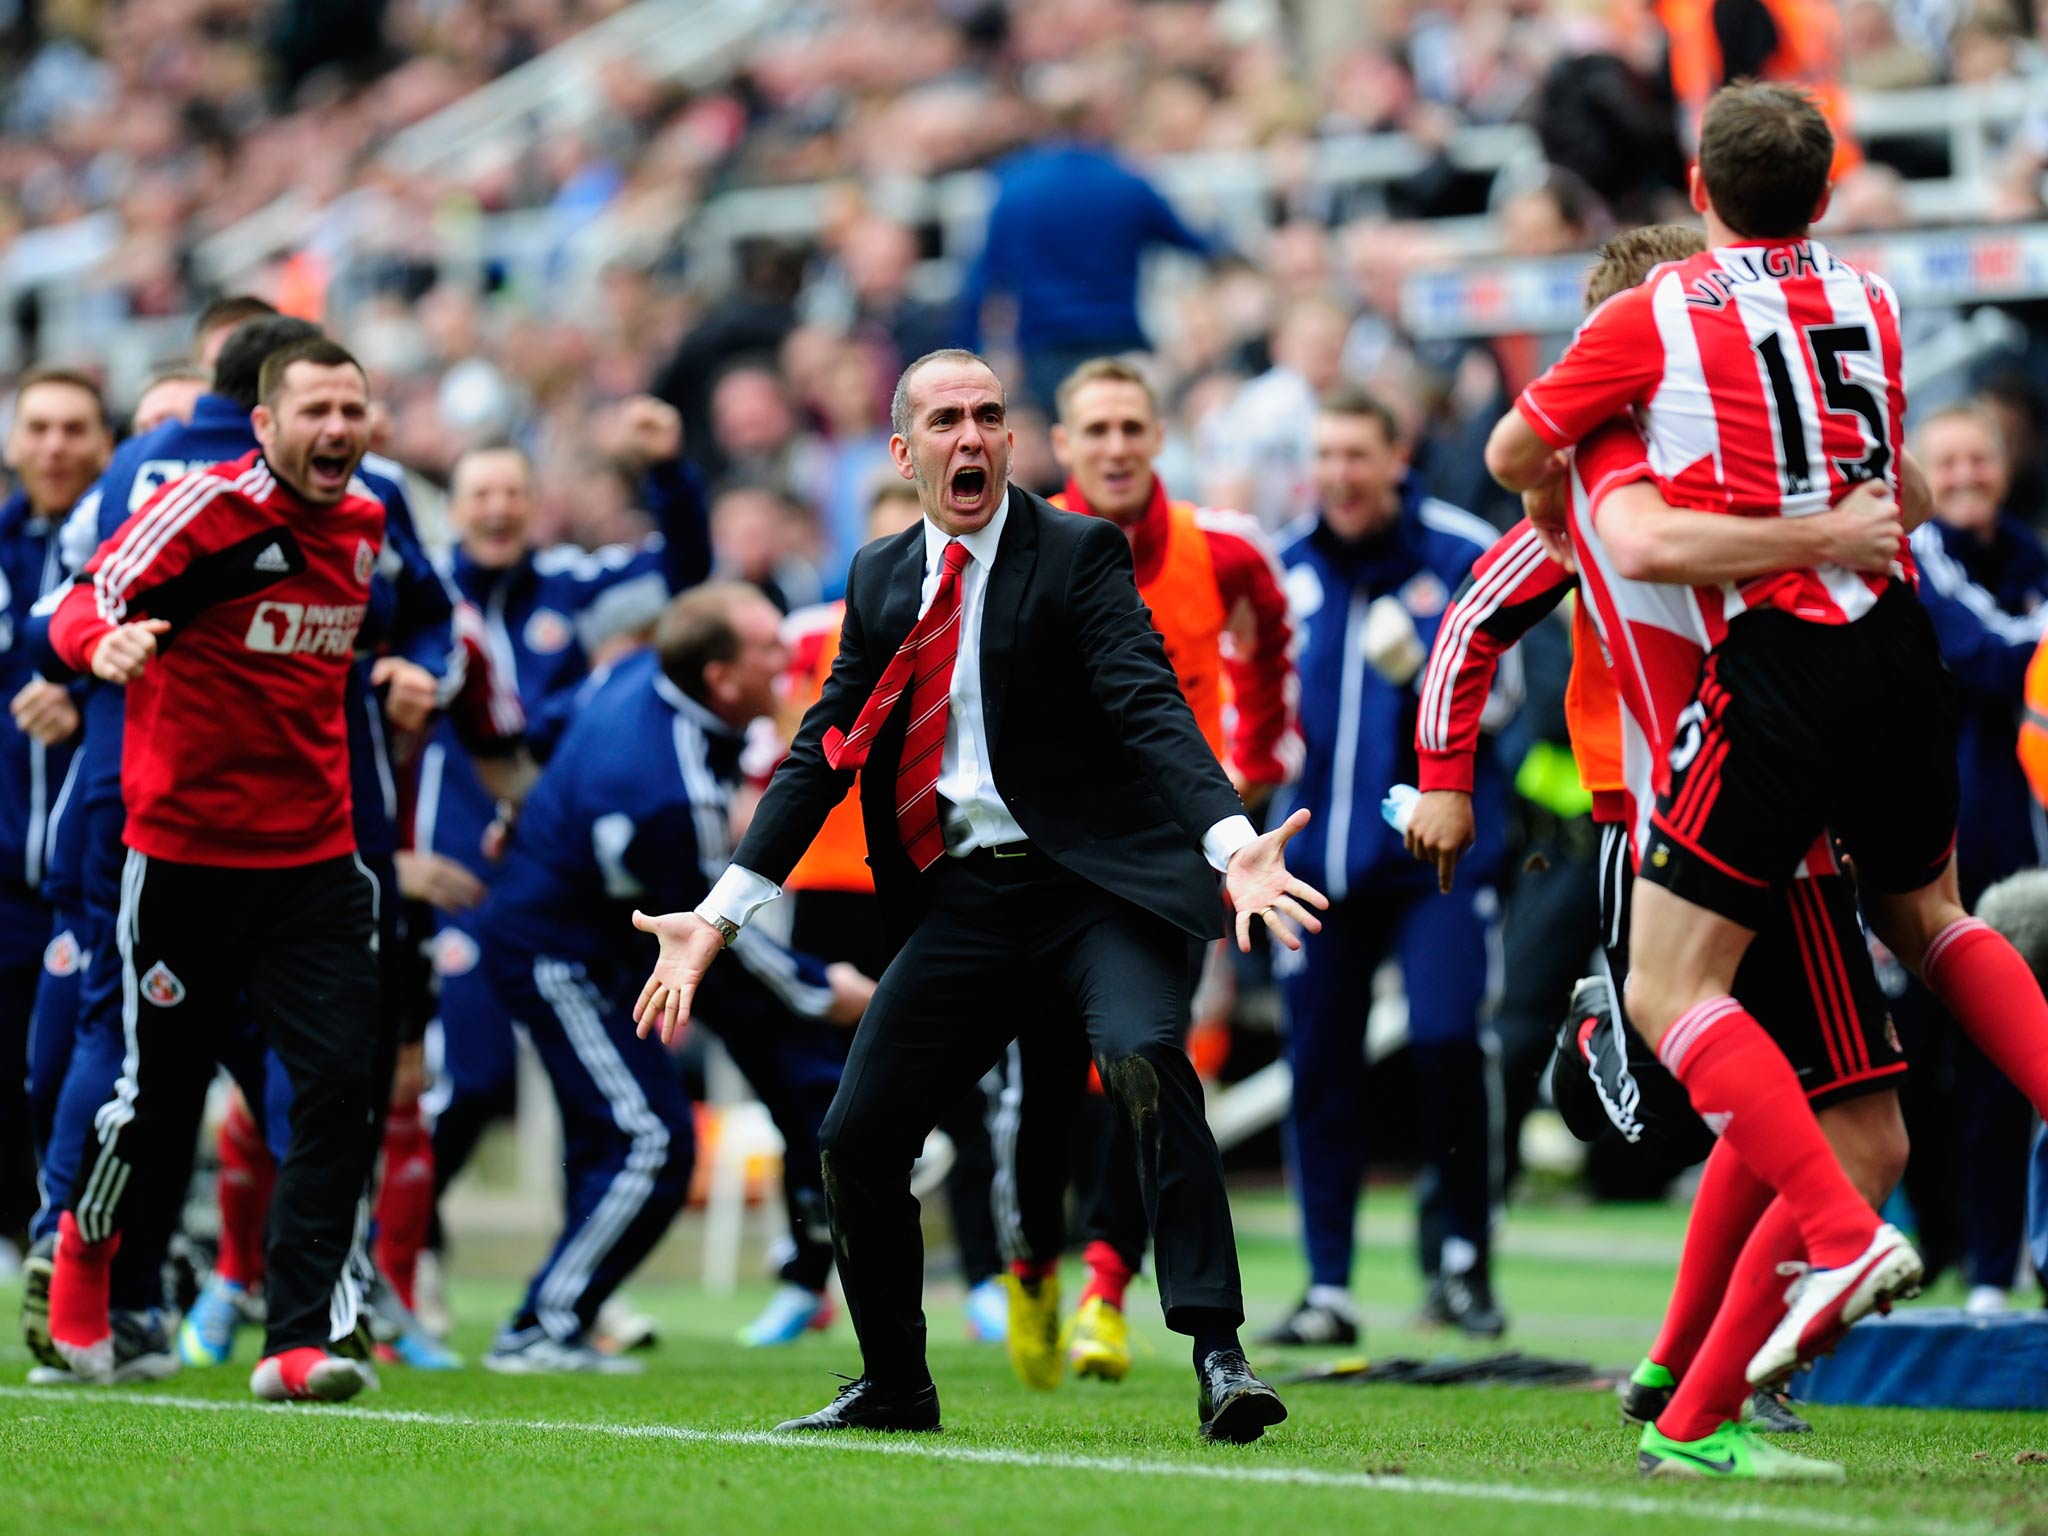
[1035, 796]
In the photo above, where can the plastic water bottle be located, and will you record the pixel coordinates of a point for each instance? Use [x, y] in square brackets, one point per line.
[1399, 806]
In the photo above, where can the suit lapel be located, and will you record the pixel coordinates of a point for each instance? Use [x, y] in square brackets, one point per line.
[1007, 579]
[899, 599]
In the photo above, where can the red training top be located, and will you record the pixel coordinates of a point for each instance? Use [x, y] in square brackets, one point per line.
[237, 749]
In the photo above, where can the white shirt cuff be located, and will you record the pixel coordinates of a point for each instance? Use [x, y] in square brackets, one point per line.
[1225, 838]
[737, 896]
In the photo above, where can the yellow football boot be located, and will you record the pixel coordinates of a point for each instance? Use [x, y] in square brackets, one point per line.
[1034, 1340]
[1101, 1345]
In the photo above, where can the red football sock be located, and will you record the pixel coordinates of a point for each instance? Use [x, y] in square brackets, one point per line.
[1726, 1210]
[1108, 1275]
[1717, 1386]
[1032, 1271]
[1982, 981]
[1743, 1087]
[248, 1174]
[78, 1286]
[405, 1199]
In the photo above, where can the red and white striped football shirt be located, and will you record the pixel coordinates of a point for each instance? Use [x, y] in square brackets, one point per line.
[1656, 638]
[1766, 379]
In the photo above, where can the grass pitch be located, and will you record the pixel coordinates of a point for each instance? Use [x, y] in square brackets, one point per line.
[680, 1448]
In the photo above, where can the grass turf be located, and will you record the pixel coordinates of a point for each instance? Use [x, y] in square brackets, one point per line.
[672, 1450]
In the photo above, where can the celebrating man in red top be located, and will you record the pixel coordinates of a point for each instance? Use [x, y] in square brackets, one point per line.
[228, 606]
[1766, 375]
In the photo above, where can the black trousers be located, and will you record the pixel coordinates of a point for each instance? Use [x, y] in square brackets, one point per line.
[300, 945]
[847, 925]
[1011, 945]
[1051, 1131]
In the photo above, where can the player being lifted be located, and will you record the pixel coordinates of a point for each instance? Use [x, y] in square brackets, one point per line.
[1766, 376]
[1637, 651]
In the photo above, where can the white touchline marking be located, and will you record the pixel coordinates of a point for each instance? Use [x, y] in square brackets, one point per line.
[926, 1450]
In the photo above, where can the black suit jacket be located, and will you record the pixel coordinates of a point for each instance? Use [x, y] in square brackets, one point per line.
[1093, 746]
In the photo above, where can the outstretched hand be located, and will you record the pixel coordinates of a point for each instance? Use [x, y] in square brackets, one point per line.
[688, 946]
[1259, 886]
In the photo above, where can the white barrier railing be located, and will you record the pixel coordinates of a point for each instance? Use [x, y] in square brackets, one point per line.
[1230, 191]
[1944, 267]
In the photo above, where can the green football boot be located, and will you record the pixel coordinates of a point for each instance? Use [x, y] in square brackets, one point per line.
[1731, 1451]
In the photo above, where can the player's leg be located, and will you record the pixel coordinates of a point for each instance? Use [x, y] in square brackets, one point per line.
[172, 931]
[52, 1032]
[970, 1196]
[1726, 1207]
[24, 934]
[405, 1220]
[1326, 995]
[793, 1065]
[1043, 1073]
[1605, 1078]
[1704, 1415]
[243, 1187]
[1972, 970]
[1132, 975]
[931, 1031]
[312, 986]
[1112, 1211]
[1450, 965]
[1748, 797]
[1548, 930]
[1808, 973]
[1899, 827]
[405, 1189]
[479, 1059]
[628, 1150]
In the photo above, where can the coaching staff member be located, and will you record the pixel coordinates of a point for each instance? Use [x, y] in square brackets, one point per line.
[1034, 795]
[228, 606]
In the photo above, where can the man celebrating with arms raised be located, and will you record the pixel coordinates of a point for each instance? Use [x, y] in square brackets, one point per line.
[1035, 793]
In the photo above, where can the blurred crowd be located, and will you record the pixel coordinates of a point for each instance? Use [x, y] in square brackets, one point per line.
[135, 131]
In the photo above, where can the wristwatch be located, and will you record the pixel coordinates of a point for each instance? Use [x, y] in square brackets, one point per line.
[728, 930]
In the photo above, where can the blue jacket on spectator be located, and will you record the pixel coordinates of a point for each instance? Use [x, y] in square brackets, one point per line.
[32, 775]
[2000, 829]
[544, 616]
[2011, 565]
[634, 810]
[1065, 238]
[1358, 728]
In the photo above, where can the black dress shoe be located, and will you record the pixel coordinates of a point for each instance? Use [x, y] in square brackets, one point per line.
[1235, 1405]
[862, 1405]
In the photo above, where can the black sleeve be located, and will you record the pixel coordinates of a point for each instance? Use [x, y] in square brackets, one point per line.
[1131, 680]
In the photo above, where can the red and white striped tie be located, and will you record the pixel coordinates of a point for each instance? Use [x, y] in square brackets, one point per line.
[922, 668]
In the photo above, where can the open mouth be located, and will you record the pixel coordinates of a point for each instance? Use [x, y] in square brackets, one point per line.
[330, 467]
[969, 483]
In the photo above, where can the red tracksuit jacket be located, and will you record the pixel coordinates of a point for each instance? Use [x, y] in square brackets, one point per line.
[237, 746]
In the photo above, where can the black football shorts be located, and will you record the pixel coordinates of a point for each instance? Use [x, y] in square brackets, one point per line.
[1797, 728]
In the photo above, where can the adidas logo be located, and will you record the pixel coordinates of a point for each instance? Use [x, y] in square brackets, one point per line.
[272, 559]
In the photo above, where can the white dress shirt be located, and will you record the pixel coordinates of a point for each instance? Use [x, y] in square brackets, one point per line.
[972, 812]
